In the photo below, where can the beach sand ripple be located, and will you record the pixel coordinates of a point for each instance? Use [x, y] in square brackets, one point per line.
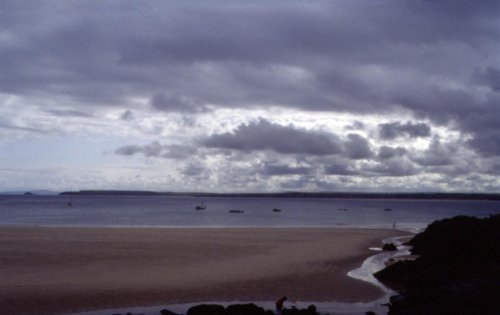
[63, 270]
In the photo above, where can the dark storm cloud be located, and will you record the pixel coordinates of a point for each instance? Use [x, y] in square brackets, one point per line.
[357, 147]
[486, 143]
[471, 112]
[489, 77]
[437, 154]
[394, 130]
[386, 152]
[494, 169]
[156, 149]
[483, 123]
[230, 54]
[264, 135]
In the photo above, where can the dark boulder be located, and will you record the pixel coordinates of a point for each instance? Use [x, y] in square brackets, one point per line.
[167, 312]
[206, 309]
[244, 309]
[389, 246]
[310, 310]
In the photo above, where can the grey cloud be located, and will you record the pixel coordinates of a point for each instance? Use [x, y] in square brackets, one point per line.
[156, 149]
[386, 152]
[490, 76]
[340, 169]
[174, 103]
[129, 150]
[494, 169]
[299, 184]
[411, 57]
[164, 53]
[392, 168]
[356, 125]
[357, 147]
[193, 169]
[127, 115]
[473, 114]
[482, 123]
[486, 143]
[436, 154]
[326, 185]
[264, 135]
[394, 130]
[69, 113]
[8, 125]
[150, 150]
[176, 151]
[280, 170]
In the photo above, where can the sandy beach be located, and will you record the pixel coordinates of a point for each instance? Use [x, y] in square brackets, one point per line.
[63, 270]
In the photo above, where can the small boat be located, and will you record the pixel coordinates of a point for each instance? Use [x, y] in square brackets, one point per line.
[236, 211]
[343, 209]
[70, 200]
[387, 209]
[276, 210]
[201, 206]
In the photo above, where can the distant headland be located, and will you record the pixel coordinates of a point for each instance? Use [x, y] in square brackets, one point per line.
[329, 195]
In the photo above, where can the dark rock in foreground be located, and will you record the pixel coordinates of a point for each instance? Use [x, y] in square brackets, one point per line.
[458, 271]
[167, 312]
[311, 310]
[389, 247]
[245, 309]
[206, 309]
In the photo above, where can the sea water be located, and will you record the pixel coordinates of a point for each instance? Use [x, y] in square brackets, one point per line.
[117, 211]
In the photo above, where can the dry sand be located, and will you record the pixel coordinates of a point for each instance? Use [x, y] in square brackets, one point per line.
[62, 270]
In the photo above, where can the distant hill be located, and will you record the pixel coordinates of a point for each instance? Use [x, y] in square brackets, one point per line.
[32, 192]
[332, 195]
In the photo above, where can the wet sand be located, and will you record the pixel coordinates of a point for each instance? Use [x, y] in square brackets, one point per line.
[64, 270]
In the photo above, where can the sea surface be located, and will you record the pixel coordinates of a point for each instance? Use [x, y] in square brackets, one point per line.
[162, 211]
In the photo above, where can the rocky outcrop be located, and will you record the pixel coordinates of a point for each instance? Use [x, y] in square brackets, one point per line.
[457, 272]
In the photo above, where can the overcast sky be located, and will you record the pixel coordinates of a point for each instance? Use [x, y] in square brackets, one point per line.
[250, 96]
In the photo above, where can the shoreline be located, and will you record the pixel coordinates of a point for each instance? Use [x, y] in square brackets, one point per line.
[69, 270]
[408, 228]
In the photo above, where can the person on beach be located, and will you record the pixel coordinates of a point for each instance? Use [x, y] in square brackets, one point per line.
[279, 304]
